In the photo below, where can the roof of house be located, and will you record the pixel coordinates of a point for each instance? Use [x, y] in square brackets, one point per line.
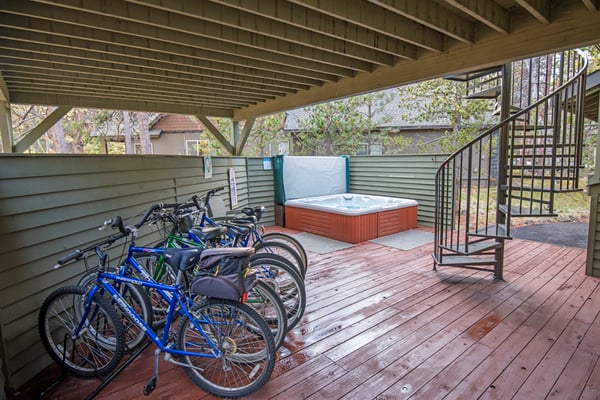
[592, 95]
[401, 117]
[176, 123]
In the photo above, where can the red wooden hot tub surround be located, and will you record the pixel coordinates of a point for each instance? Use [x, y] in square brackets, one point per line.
[351, 228]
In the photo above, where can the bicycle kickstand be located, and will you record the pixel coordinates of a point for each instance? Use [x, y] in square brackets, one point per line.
[151, 383]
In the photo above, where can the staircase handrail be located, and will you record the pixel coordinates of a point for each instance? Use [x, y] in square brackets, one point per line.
[578, 75]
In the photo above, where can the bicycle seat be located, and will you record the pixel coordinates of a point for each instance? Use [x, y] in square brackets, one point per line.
[251, 219]
[183, 259]
[239, 228]
[227, 251]
[256, 212]
[208, 233]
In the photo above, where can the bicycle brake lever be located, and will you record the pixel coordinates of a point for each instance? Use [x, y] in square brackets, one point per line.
[105, 224]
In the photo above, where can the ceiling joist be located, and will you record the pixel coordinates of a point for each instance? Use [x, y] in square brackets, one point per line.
[245, 58]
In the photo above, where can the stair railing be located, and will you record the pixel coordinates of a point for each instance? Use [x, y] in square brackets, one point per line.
[470, 206]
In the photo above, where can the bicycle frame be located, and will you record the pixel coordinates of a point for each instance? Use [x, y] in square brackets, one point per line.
[177, 302]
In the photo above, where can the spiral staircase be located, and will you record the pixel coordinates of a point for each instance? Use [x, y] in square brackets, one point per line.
[515, 168]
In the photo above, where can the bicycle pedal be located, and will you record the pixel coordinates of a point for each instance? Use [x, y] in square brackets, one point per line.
[150, 385]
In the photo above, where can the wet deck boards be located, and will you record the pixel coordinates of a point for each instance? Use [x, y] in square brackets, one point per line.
[381, 324]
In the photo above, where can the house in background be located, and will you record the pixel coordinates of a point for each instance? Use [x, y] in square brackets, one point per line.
[419, 135]
[178, 134]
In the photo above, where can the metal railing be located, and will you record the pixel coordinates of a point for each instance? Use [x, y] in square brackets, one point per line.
[515, 167]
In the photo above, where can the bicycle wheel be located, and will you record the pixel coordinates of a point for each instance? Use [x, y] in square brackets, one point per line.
[283, 250]
[287, 283]
[137, 299]
[290, 241]
[265, 300]
[241, 336]
[93, 349]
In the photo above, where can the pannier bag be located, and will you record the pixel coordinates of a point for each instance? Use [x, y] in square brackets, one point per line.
[224, 273]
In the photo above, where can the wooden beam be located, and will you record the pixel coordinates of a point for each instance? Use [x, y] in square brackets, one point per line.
[592, 5]
[376, 18]
[217, 134]
[91, 101]
[572, 27]
[540, 9]
[314, 22]
[157, 89]
[486, 12]
[244, 137]
[52, 58]
[248, 21]
[4, 93]
[36, 132]
[432, 15]
[143, 49]
[116, 18]
[6, 133]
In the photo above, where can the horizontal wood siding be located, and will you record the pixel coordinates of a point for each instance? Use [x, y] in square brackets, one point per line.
[261, 189]
[407, 176]
[593, 251]
[394, 221]
[51, 205]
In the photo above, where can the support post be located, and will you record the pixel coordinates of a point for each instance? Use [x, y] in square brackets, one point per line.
[501, 218]
[6, 133]
[35, 133]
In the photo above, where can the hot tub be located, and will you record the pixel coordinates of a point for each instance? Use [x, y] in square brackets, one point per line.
[350, 217]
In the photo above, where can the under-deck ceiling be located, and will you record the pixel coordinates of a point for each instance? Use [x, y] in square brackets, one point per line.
[245, 58]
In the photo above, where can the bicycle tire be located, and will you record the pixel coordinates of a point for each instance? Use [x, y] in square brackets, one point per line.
[287, 283]
[283, 250]
[137, 298]
[244, 339]
[97, 349]
[289, 240]
[266, 301]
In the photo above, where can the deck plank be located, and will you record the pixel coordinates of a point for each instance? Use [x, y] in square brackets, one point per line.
[380, 323]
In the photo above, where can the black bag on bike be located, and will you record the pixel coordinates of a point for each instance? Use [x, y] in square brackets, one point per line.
[224, 277]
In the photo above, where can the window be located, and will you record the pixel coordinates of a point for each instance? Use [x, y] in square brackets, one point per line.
[281, 148]
[376, 149]
[137, 148]
[196, 147]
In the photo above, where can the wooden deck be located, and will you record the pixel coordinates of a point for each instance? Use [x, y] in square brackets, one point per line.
[380, 324]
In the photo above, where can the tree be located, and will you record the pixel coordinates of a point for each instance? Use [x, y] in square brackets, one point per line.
[266, 132]
[343, 126]
[374, 108]
[143, 133]
[442, 102]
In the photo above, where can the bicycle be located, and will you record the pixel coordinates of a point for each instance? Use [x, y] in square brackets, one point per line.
[244, 232]
[224, 346]
[280, 276]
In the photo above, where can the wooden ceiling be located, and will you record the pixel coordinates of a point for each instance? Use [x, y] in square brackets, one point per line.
[246, 58]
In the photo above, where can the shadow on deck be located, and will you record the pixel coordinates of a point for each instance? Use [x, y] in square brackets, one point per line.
[381, 324]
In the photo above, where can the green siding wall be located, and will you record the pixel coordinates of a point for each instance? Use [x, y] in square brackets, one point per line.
[261, 189]
[50, 205]
[410, 176]
[593, 250]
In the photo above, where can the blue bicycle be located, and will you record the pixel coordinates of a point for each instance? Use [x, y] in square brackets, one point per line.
[224, 346]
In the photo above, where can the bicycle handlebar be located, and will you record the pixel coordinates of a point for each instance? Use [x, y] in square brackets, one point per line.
[75, 255]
